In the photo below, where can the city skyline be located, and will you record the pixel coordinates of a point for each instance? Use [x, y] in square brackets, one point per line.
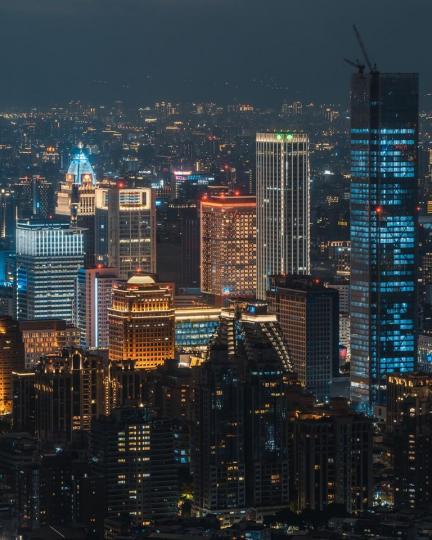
[179, 50]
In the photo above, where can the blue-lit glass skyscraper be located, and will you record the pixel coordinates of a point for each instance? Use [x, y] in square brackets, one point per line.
[49, 254]
[384, 138]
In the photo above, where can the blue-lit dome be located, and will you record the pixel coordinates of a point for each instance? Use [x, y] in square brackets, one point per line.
[80, 170]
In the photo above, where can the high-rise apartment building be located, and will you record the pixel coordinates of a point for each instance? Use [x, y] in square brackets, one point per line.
[384, 139]
[239, 449]
[142, 322]
[133, 462]
[228, 245]
[42, 337]
[36, 197]
[76, 199]
[283, 206]
[308, 314]
[409, 426]
[49, 254]
[11, 359]
[69, 390]
[93, 299]
[333, 459]
[126, 229]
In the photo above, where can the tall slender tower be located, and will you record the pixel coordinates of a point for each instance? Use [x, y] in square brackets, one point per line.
[283, 206]
[76, 199]
[384, 137]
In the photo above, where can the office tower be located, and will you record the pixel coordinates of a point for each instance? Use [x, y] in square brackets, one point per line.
[228, 245]
[11, 359]
[126, 229]
[308, 314]
[23, 402]
[132, 458]
[49, 255]
[76, 199]
[43, 337]
[69, 394]
[384, 135]
[239, 451]
[194, 326]
[283, 206]
[93, 299]
[179, 243]
[36, 197]
[333, 459]
[141, 323]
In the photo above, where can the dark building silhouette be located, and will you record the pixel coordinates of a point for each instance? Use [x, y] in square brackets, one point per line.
[11, 359]
[308, 313]
[133, 465]
[239, 448]
[69, 394]
[333, 459]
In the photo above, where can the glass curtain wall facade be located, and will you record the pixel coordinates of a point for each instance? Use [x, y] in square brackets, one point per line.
[49, 255]
[384, 137]
[283, 206]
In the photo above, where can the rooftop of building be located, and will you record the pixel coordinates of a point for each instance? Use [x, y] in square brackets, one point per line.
[227, 198]
[141, 280]
[45, 324]
[299, 282]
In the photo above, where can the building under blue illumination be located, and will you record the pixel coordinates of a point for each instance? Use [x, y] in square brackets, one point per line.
[384, 138]
[194, 327]
[49, 254]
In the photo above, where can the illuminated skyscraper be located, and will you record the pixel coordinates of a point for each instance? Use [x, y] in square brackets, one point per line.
[228, 245]
[283, 206]
[11, 359]
[384, 137]
[49, 254]
[126, 229]
[93, 299]
[76, 199]
[142, 323]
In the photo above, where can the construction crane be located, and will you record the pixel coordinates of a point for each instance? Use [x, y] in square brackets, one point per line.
[357, 64]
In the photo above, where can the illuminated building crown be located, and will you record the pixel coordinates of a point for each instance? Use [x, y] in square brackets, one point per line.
[80, 170]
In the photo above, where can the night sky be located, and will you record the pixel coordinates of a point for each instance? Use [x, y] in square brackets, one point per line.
[265, 51]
